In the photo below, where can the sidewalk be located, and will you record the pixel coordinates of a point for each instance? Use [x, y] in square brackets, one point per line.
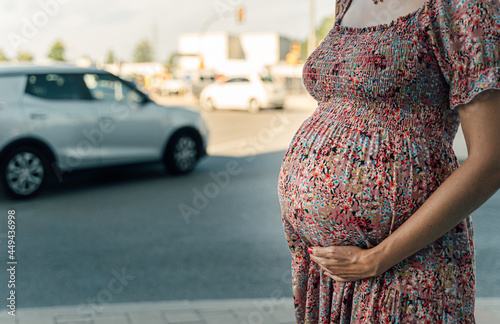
[241, 311]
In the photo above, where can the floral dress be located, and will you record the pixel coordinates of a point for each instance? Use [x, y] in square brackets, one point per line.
[377, 146]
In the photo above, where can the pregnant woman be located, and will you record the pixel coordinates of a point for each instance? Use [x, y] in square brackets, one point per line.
[374, 205]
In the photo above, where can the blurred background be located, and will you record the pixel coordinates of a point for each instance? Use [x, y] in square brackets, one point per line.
[214, 233]
[168, 48]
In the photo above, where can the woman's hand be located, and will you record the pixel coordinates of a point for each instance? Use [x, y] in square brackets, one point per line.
[347, 263]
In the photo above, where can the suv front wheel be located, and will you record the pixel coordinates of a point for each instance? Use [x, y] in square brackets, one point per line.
[24, 172]
[182, 152]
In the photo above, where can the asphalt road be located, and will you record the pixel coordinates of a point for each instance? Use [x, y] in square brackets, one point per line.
[137, 234]
[72, 240]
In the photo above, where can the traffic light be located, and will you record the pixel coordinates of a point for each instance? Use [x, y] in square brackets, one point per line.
[241, 14]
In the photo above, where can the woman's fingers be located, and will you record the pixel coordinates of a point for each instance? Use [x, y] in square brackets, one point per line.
[324, 252]
[341, 254]
[335, 277]
[342, 263]
[335, 251]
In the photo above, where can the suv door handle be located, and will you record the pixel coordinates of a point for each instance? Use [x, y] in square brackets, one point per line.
[38, 116]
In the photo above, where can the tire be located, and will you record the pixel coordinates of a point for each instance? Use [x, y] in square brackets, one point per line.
[24, 172]
[183, 152]
[209, 104]
[253, 106]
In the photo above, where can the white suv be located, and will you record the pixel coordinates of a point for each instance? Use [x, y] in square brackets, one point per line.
[56, 119]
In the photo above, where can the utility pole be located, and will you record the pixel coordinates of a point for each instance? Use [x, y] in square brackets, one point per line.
[155, 42]
[311, 44]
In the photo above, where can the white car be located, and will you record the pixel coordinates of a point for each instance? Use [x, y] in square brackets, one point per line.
[243, 92]
[56, 119]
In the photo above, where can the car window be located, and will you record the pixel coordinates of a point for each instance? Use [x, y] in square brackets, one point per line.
[266, 79]
[237, 80]
[106, 87]
[57, 86]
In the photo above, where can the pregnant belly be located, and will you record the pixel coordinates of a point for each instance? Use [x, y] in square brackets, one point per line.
[347, 187]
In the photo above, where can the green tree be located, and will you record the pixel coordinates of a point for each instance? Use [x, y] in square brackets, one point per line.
[57, 51]
[24, 56]
[303, 46]
[3, 58]
[143, 52]
[110, 57]
[325, 26]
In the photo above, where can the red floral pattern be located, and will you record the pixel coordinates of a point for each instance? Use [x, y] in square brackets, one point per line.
[377, 146]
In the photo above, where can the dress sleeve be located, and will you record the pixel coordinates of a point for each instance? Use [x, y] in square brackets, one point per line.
[465, 37]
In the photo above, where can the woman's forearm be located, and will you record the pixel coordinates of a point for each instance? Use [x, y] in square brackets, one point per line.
[476, 180]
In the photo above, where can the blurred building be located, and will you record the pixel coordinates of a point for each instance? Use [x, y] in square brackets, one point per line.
[242, 54]
[148, 76]
[144, 69]
[229, 54]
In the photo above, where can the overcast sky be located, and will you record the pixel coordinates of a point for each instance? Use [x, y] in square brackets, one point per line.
[93, 27]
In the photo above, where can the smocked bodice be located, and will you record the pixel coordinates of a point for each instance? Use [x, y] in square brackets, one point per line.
[388, 75]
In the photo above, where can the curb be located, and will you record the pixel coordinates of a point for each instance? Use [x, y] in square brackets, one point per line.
[238, 311]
